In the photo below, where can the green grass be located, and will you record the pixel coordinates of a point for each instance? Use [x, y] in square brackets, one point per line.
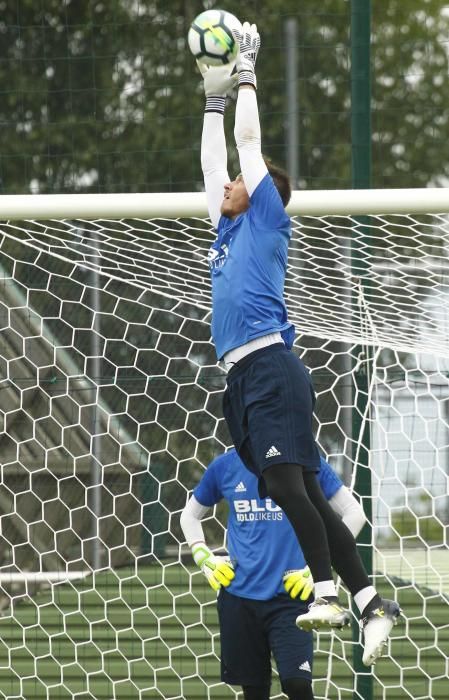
[154, 636]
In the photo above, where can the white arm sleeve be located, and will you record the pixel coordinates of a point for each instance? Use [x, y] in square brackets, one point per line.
[214, 159]
[248, 139]
[349, 510]
[191, 521]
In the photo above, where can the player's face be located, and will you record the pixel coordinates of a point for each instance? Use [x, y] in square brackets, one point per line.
[236, 199]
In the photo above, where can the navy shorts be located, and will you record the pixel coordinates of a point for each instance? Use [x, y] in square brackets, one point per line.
[268, 406]
[252, 630]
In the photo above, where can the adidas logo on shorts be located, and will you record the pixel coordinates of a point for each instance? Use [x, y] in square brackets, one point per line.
[272, 452]
[305, 666]
[240, 487]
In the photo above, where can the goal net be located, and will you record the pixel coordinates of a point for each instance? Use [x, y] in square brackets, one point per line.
[110, 403]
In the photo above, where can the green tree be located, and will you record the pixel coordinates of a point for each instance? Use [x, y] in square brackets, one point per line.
[106, 97]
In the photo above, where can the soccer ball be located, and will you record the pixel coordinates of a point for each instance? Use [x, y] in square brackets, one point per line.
[210, 37]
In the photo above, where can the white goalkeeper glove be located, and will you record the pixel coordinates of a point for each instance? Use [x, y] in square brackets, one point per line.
[248, 40]
[218, 570]
[298, 583]
[218, 82]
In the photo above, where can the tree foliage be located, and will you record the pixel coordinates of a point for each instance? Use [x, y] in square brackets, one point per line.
[104, 96]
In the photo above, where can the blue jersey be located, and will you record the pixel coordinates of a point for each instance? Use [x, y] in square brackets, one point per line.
[261, 542]
[248, 262]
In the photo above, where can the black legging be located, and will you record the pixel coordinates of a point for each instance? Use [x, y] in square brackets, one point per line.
[294, 688]
[324, 538]
[298, 689]
[256, 692]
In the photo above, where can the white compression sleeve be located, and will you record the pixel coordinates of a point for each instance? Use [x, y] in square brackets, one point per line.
[349, 510]
[191, 521]
[248, 139]
[214, 159]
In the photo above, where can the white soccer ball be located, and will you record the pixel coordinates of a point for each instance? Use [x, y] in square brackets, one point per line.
[210, 37]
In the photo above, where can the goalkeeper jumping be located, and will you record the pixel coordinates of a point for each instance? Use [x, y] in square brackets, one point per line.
[269, 400]
[265, 563]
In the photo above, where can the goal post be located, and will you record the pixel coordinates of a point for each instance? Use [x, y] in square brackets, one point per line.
[188, 204]
[110, 408]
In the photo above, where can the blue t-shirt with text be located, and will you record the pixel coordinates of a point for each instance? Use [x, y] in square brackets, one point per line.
[248, 262]
[261, 542]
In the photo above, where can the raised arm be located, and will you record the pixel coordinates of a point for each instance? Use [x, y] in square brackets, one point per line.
[218, 80]
[247, 125]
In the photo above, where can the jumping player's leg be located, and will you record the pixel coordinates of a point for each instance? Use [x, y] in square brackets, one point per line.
[285, 485]
[378, 615]
[268, 407]
[256, 692]
[314, 520]
[298, 689]
[293, 490]
[344, 554]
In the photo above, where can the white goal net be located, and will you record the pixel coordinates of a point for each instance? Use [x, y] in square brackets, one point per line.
[110, 404]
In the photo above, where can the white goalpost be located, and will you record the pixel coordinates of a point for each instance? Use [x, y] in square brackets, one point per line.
[110, 406]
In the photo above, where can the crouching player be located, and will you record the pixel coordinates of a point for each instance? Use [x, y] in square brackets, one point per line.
[264, 584]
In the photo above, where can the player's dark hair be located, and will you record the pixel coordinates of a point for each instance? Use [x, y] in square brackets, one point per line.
[281, 180]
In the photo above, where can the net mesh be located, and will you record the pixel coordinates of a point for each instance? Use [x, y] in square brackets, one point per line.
[402, 261]
[110, 401]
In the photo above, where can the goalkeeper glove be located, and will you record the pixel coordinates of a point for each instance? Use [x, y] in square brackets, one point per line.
[218, 82]
[218, 570]
[248, 40]
[298, 583]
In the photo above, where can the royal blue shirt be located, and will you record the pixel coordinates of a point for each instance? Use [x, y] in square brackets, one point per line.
[261, 542]
[248, 262]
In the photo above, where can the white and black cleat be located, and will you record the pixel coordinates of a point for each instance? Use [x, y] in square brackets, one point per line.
[376, 626]
[323, 614]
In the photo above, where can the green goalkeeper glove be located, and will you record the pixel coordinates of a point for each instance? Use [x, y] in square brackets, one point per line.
[248, 40]
[298, 583]
[218, 570]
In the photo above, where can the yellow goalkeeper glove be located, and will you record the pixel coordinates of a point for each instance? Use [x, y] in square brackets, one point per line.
[218, 570]
[298, 583]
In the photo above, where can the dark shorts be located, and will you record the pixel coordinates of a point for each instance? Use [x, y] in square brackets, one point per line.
[252, 630]
[268, 406]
